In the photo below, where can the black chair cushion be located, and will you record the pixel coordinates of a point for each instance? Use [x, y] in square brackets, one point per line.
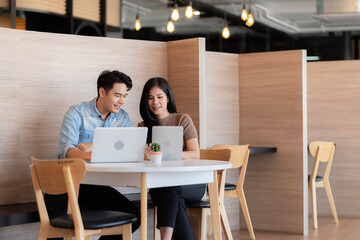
[229, 187]
[95, 219]
[317, 179]
[198, 204]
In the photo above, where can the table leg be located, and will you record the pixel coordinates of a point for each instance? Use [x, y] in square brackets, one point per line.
[143, 208]
[214, 206]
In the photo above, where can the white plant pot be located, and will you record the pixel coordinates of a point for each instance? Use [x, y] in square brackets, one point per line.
[156, 158]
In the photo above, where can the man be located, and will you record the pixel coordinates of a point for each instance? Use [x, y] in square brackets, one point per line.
[76, 137]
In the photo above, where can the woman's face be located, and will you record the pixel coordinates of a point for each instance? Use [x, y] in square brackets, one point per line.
[157, 101]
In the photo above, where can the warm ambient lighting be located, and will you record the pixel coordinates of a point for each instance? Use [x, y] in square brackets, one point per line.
[225, 32]
[175, 13]
[197, 13]
[250, 21]
[244, 15]
[189, 11]
[170, 26]
[137, 24]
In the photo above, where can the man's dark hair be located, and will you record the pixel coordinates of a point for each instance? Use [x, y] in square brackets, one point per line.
[107, 79]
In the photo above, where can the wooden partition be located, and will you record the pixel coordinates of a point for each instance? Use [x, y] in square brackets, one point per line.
[41, 75]
[186, 71]
[272, 98]
[222, 114]
[334, 114]
[222, 99]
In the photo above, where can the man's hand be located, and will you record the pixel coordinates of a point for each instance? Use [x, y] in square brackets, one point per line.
[85, 147]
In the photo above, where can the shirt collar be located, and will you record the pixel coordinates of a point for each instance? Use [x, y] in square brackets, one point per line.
[95, 111]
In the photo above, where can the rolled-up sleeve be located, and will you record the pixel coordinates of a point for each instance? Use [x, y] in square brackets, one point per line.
[69, 132]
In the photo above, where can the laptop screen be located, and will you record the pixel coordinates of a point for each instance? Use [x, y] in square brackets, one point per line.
[171, 141]
[117, 144]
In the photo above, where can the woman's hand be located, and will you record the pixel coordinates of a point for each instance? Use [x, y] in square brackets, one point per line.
[85, 147]
[147, 153]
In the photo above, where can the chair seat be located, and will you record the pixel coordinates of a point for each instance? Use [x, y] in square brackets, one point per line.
[317, 179]
[198, 204]
[230, 187]
[95, 219]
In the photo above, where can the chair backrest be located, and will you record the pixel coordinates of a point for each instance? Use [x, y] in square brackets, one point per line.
[58, 177]
[239, 153]
[215, 154]
[323, 151]
[50, 174]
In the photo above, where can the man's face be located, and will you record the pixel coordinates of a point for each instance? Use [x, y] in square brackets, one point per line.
[114, 99]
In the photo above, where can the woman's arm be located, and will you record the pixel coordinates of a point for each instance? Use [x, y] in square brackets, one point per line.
[192, 147]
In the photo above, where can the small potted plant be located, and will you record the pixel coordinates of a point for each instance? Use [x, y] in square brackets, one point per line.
[155, 153]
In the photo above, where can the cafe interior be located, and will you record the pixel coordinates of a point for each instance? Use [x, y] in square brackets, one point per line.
[281, 76]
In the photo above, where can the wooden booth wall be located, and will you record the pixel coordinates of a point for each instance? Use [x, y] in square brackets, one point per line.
[222, 114]
[273, 113]
[41, 75]
[334, 114]
[186, 71]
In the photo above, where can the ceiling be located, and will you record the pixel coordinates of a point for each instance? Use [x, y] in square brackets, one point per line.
[295, 17]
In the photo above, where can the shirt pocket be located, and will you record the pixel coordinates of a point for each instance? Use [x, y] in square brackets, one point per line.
[86, 136]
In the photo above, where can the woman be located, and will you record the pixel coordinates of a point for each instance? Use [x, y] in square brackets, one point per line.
[157, 108]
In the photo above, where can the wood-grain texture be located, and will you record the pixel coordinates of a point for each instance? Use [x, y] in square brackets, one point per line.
[334, 114]
[271, 114]
[186, 75]
[222, 99]
[41, 75]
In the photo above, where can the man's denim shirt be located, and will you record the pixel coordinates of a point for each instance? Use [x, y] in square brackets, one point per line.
[80, 122]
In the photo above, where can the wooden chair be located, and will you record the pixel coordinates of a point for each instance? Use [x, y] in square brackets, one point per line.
[239, 159]
[201, 209]
[322, 152]
[64, 176]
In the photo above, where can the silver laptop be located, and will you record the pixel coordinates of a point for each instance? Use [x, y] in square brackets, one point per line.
[171, 141]
[117, 144]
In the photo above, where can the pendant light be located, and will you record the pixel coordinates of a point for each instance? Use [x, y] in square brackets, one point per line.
[137, 24]
[250, 21]
[244, 14]
[170, 26]
[225, 32]
[175, 13]
[189, 11]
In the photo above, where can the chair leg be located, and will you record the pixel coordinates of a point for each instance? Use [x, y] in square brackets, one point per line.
[331, 200]
[225, 222]
[244, 207]
[204, 214]
[127, 235]
[43, 232]
[313, 204]
[209, 231]
[156, 231]
[68, 238]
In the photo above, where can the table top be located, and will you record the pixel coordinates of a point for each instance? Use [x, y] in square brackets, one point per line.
[186, 165]
[258, 150]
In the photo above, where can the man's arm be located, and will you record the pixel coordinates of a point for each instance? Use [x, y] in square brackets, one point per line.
[69, 136]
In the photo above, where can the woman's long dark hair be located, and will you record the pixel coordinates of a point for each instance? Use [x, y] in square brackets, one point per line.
[145, 112]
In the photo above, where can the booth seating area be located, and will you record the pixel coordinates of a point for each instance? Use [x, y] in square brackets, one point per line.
[264, 99]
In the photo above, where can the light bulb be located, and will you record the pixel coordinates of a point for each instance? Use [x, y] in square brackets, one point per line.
[244, 15]
[189, 11]
[175, 14]
[137, 24]
[225, 32]
[250, 21]
[170, 26]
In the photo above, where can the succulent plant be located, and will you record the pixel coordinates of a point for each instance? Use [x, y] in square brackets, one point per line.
[155, 147]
